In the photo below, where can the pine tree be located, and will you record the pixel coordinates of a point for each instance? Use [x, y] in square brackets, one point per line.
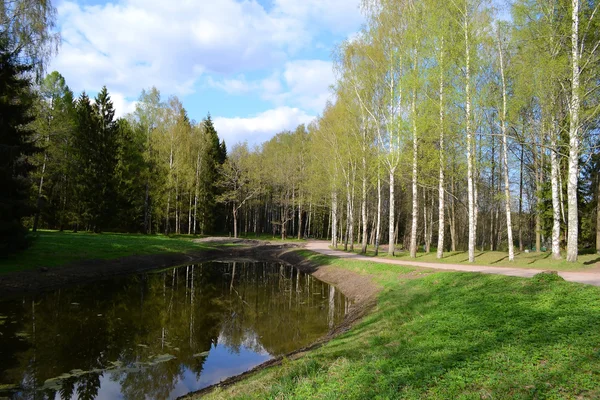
[16, 146]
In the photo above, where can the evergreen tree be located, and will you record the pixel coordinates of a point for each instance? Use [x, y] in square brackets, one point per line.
[215, 154]
[83, 164]
[129, 170]
[16, 148]
[105, 154]
[95, 148]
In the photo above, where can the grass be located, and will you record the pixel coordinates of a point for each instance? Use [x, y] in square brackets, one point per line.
[270, 238]
[532, 260]
[52, 248]
[451, 336]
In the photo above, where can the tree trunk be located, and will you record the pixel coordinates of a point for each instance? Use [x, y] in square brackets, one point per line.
[39, 197]
[538, 218]
[378, 231]
[470, 188]
[453, 219]
[573, 231]
[392, 205]
[196, 191]
[511, 251]
[415, 200]
[234, 212]
[598, 216]
[190, 214]
[364, 205]
[334, 218]
[441, 197]
[299, 219]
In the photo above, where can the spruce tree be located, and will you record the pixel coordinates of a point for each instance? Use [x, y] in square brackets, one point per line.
[214, 157]
[16, 148]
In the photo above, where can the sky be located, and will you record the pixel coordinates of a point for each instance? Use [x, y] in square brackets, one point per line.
[258, 66]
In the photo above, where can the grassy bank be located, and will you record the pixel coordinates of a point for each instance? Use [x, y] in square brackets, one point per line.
[52, 248]
[532, 259]
[451, 335]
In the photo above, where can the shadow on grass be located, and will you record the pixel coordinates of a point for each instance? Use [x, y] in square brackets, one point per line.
[498, 260]
[539, 259]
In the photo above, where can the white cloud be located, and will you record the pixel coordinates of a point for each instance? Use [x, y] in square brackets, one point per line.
[261, 127]
[122, 105]
[134, 44]
[303, 83]
[340, 15]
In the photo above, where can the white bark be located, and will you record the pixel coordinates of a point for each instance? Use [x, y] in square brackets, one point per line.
[415, 200]
[364, 199]
[555, 195]
[441, 197]
[334, 221]
[196, 191]
[572, 238]
[511, 250]
[377, 233]
[470, 189]
[392, 205]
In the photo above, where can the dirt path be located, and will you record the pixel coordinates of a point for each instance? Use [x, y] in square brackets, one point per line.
[590, 278]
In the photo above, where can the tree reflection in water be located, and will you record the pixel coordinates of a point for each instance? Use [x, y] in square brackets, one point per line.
[160, 335]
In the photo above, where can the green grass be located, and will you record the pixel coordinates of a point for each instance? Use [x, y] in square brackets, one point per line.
[270, 238]
[451, 336]
[532, 260]
[52, 248]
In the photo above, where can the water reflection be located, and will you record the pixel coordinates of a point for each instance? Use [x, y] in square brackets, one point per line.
[160, 335]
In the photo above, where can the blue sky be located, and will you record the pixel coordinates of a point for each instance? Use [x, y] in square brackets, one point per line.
[258, 66]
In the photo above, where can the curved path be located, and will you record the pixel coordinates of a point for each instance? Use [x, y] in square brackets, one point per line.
[322, 246]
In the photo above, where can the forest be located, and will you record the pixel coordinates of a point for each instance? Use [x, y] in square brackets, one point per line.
[452, 126]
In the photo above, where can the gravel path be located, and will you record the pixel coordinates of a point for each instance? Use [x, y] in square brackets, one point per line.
[590, 278]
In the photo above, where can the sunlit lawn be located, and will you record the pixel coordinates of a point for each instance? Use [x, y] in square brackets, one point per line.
[270, 238]
[448, 336]
[52, 248]
[533, 260]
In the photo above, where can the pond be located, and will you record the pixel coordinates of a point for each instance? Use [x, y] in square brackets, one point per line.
[162, 334]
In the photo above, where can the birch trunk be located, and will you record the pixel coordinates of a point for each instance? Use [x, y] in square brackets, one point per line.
[169, 188]
[196, 191]
[190, 214]
[511, 250]
[441, 197]
[453, 220]
[334, 222]
[299, 219]
[364, 204]
[392, 205]
[573, 138]
[538, 218]
[415, 200]
[235, 211]
[555, 194]
[470, 191]
[378, 231]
